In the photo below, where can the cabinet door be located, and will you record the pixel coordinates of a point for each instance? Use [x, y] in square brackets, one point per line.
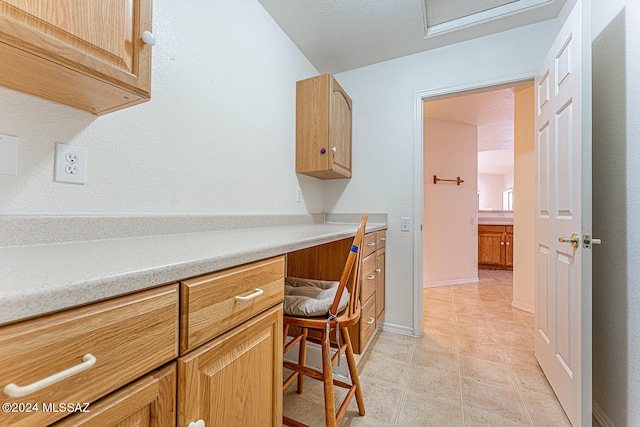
[150, 401]
[340, 130]
[490, 245]
[380, 271]
[236, 379]
[508, 241]
[59, 49]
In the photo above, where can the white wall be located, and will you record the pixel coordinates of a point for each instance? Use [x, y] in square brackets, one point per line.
[217, 136]
[524, 248]
[384, 136]
[616, 207]
[450, 247]
[490, 188]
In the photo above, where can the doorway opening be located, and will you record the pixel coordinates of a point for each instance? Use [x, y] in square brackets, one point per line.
[463, 122]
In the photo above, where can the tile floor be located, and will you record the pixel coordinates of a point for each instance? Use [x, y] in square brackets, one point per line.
[473, 367]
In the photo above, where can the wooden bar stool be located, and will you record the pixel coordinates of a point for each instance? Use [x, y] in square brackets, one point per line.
[329, 308]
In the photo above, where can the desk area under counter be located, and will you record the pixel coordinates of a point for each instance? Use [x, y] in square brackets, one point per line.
[131, 293]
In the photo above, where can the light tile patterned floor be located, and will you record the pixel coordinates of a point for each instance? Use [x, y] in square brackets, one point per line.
[473, 367]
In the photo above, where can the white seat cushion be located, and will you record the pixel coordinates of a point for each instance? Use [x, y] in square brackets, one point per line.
[309, 297]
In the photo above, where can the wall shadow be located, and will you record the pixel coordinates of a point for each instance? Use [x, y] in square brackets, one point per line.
[610, 281]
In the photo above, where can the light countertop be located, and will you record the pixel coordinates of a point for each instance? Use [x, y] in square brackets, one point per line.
[44, 278]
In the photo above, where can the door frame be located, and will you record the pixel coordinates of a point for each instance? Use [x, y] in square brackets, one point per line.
[418, 177]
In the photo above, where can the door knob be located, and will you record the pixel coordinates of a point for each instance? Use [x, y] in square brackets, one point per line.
[573, 240]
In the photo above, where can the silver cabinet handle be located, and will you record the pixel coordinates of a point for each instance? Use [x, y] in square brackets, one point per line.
[378, 270]
[371, 277]
[13, 390]
[371, 244]
[257, 292]
[370, 321]
[383, 238]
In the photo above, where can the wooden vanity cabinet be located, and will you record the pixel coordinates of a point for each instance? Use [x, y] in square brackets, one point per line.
[90, 55]
[495, 247]
[323, 128]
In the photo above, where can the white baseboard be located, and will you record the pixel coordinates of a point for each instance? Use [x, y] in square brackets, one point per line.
[398, 329]
[601, 416]
[522, 306]
[451, 282]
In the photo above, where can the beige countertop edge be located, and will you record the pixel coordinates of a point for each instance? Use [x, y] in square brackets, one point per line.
[42, 279]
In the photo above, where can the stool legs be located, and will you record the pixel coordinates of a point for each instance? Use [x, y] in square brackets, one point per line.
[302, 358]
[353, 370]
[327, 373]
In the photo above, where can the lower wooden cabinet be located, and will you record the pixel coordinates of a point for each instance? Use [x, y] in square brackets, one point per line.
[150, 401]
[495, 246]
[236, 379]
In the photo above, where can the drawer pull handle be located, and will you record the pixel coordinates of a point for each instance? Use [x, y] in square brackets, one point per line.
[14, 391]
[370, 321]
[257, 292]
[371, 244]
[383, 239]
[371, 277]
[378, 270]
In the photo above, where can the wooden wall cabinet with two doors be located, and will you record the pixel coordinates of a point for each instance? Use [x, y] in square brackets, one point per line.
[326, 262]
[90, 55]
[495, 247]
[204, 352]
[323, 128]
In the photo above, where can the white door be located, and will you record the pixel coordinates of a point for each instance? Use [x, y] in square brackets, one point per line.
[563, 181]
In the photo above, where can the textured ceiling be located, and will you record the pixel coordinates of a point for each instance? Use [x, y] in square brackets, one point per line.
[492, 112]
[340, 35]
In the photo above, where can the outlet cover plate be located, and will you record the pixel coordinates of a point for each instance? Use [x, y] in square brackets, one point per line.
[8, 155]
[70, 164]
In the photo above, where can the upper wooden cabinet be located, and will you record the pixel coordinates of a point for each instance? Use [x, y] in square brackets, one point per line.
[86, 54]
[323, 128]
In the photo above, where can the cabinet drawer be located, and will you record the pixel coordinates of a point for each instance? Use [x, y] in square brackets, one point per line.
[369, 275]
[367, 321]
[128, 336]
[369, 244]
[149, 401]
[381, 239]
[210, 305]
[491, 229]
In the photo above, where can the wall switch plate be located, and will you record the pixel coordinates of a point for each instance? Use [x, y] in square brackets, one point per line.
[8, 155]
[405, 223]
[70, 164]
[298, 195]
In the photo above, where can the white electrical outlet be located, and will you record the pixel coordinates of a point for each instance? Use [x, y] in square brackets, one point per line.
[298, 195]
[70, 164]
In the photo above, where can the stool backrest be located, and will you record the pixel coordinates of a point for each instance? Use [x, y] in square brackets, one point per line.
[350, 276]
